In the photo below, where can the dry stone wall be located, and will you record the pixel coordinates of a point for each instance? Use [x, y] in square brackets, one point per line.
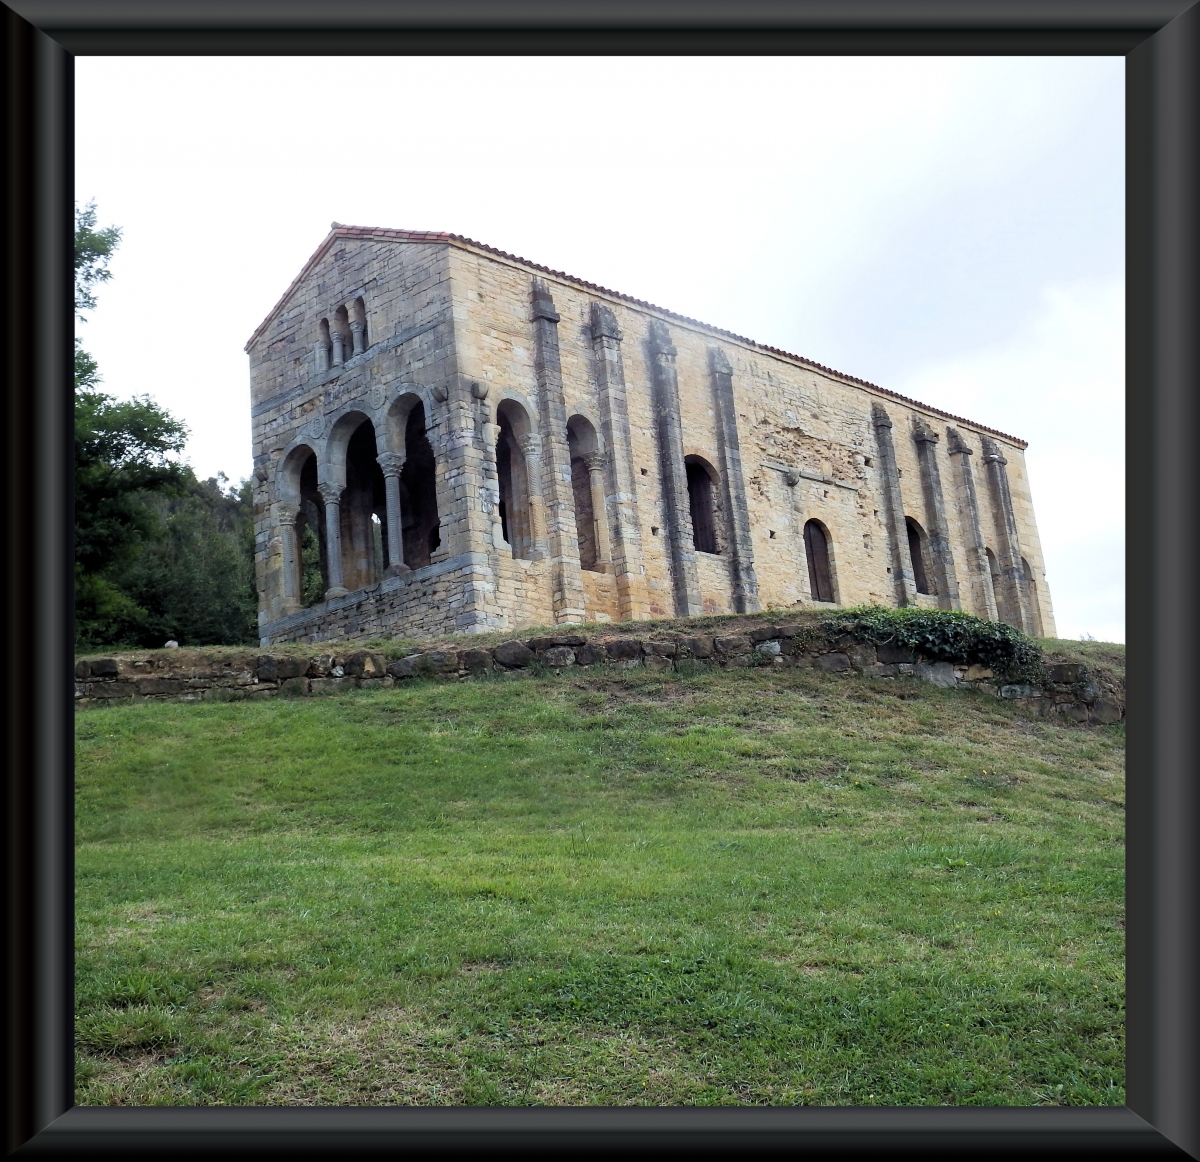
[1069, 691]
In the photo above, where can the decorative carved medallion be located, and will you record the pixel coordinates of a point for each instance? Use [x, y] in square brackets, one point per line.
[377, 396]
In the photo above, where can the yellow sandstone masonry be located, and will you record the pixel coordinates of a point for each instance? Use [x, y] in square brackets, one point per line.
[459, 440]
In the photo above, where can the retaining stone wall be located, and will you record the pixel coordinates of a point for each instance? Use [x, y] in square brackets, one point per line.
[1070, 690]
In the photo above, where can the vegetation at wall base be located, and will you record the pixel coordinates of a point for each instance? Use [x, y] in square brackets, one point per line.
[945, 635]
[732, 887]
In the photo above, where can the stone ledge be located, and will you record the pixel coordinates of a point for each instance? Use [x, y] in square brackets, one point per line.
[1069, 691]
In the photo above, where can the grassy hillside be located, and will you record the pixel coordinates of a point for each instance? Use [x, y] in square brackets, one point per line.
[735, 887]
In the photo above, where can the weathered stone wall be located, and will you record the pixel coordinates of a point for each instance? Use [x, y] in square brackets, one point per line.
[1070, 691]
[470, 331]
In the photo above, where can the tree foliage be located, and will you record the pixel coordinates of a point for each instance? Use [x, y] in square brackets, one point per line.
[158, 553]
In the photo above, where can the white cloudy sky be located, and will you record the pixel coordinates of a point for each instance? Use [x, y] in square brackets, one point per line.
[949, 228]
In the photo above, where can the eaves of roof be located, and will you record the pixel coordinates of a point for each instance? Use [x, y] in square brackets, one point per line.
[384, 234]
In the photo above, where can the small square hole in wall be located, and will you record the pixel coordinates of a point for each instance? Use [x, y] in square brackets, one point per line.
[654, 530]
[645, 472]
[772, 533]
[826, 493]
[868, 462]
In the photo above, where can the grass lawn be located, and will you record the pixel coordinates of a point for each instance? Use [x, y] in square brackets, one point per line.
[733, 887]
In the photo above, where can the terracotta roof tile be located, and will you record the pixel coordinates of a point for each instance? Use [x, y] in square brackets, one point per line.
[383, 232]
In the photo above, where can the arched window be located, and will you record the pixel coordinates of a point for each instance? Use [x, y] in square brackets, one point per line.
[421, 532]
[339, 333]
[816, 549]
[916, 550]
[700, 500]
[358, 326]
[1034, 607]
[516, 520]
[587, 493]
[363, 504]
[322, 346]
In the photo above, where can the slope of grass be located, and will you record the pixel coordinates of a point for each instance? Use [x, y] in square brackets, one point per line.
[732, 887]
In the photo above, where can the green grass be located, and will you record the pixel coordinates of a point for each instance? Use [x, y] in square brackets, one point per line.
[731, 887]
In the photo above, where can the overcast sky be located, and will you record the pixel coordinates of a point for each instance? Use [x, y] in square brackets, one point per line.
[949, 228]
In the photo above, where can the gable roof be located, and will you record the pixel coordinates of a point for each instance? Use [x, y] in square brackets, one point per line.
[385, 234]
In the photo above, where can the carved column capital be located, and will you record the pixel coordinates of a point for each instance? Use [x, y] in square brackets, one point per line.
[531, 445]
[594, 461]
[330, 493]
[286, 514]
[391, 463]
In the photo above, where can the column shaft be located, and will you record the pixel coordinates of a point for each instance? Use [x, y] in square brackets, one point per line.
[968, 507]
[935, 508]
[331, 494]
[1012, 571]
[392, 464]
[595, 467]
[903, 579]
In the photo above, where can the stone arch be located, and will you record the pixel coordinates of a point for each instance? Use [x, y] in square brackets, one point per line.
[339, 332]
[702, 486]
[587, 491]
[358, 326]
[341, 428]
[353, 479]
[818, 551]
[918, 546]
[420, 522]
[302, 527]
[513, 472]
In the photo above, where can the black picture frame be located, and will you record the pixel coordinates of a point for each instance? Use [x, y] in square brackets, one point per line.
[1160, 40]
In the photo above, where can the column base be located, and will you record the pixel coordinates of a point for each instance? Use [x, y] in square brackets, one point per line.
[336, 591]
[397, 570]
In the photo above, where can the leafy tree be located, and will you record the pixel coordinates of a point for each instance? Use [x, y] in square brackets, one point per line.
[157, 552]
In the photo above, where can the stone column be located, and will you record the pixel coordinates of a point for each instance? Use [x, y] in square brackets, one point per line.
[626, 543]
[566, 576]
[287, 514]
[331, 494]
[940, 551]
[490, 434]
[741, 546]
[968, 507]
[595, 467]
[677, 513]
[392, 464]
[321, 352]
[531, 450]
[1012, 572]
[903, 579]
[338, 348]
[358, 330]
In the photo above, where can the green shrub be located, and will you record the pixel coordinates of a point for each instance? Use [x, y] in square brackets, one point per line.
[945, 635]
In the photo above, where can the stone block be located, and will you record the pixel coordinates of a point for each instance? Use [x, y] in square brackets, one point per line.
[1019, 690]
[770, 649]
[623, 648]
[836, 662]
[82, 669]
[331, 685]
[411, 667]
[291, 667]
[1067, 673]
[441, 661]
[1105, 712]
[476, 661]
[1073, 711]
[889, 653]
[265, 667]
[566, 639]
[658, 662]
[294, 687]
[588, 655]
[103, 667]
[764, 633]
[513, 654]
[108, 690]
[558, 656]
[881, 670]
[936, 674]
[701, 646]
[326, 666]
[158, 686]
[365, 664]
[662, 649]
[977, 673]
[861, 655]
[736, 643]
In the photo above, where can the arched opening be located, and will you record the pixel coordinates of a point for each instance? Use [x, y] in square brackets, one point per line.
[323, 346]
[916, 550]
[700, 478]
[421, 531]
[363, 511]
[310, 537]
[358, 325]
[516, 523]
[1031, 589]
[340, 335]
[820, 572]
[582, 444]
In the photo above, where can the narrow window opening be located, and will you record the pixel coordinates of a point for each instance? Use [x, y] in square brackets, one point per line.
[515, 523]
[916, 550]
[581, 440]
[816, 550]
[700, 500]
[358, 326]
[363, 502]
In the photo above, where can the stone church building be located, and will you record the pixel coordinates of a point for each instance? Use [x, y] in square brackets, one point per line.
[450, 439]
